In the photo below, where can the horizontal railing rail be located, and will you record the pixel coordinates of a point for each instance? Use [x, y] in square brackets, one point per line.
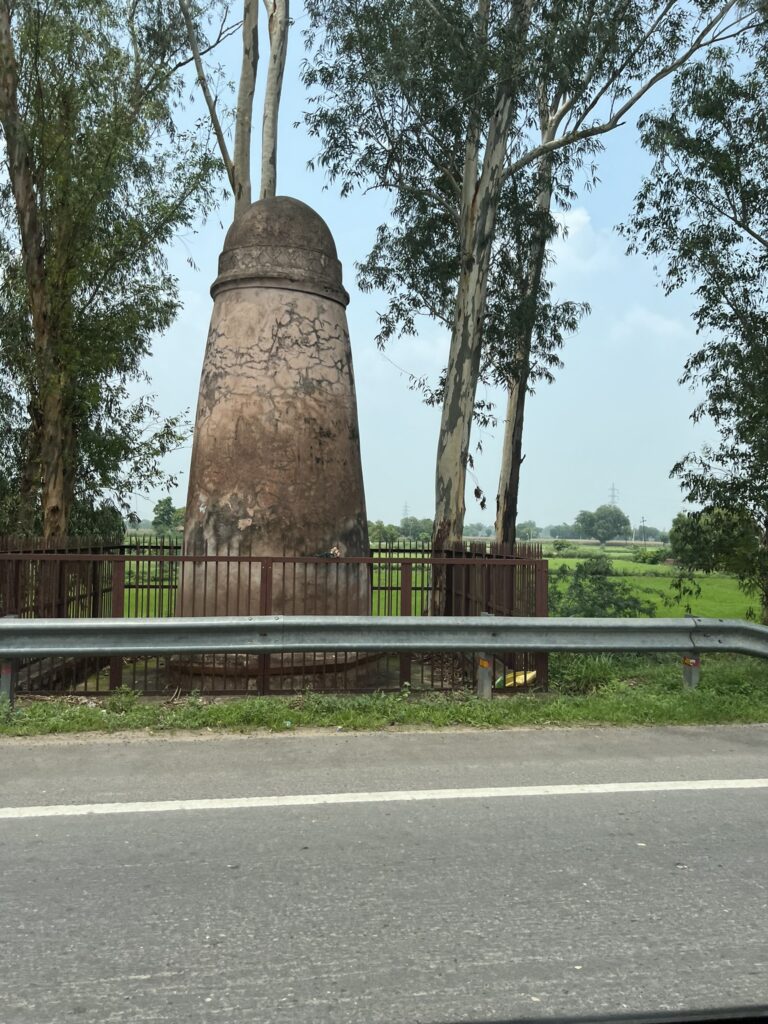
[31, 638]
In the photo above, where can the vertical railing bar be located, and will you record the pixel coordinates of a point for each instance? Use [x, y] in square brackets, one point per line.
[118, 611]
[406, 581]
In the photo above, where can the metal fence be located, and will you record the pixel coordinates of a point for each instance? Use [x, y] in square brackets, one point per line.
[150, 578]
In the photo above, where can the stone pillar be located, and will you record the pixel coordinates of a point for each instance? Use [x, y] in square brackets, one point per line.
[276, 457]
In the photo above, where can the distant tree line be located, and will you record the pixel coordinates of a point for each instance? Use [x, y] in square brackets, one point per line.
[412, 528]
[607, 522]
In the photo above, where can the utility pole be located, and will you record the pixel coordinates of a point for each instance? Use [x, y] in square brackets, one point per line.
[642, 527]
[613, 496]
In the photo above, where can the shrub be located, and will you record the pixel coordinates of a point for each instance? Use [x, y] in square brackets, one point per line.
[563, 549]
[121, 701]
[581, 674]
[650, 556]
[592, 591]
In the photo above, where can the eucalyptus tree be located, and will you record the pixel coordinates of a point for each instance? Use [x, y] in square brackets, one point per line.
[98, 177]
[702, 217]
[443, 104]
[238, 162]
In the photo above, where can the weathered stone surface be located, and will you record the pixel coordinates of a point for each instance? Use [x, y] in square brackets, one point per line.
[276, 460]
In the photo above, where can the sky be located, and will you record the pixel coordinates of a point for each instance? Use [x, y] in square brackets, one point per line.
[615, 416]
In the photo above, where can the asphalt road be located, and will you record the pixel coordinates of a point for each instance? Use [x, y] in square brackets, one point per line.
[478, 909]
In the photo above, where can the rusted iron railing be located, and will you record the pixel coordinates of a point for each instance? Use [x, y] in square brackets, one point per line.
[152, 579]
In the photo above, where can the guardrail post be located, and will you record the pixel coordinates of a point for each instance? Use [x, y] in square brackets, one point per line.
[9, 676]
[118, 612]
[691, 670]
[484, 673]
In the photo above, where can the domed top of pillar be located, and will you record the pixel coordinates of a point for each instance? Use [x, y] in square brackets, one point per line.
[281, 243]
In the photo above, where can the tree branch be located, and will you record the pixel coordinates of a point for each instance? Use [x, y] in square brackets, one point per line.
[576, 134]
[209, 98]
[739, 222]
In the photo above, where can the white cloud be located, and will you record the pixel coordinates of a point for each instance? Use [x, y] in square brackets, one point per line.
[582, 250]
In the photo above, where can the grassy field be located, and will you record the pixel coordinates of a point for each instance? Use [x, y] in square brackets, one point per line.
[720, 595]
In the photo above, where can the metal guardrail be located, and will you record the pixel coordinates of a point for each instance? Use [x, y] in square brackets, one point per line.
[39, 638]
[24, 638]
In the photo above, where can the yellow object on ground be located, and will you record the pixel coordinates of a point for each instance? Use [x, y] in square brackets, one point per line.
[515, 679]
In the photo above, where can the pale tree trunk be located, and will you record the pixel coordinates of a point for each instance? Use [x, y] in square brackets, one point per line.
[244, 114]
[478, 225]
[52, 443]
[481, 193]
[278, 17]
[512, 450]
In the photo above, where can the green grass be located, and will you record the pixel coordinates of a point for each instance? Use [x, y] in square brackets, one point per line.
[585, 690]
[151, 604]
[720, 596]
[622, 566]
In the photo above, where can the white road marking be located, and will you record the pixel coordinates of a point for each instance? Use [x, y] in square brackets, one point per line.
[392, 796]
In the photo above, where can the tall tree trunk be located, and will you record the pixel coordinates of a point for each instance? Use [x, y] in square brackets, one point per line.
[478, 226]
[277, 14]
[511, 462]
[56, 459]
[244, 115]
[512, 451]
[479, 206]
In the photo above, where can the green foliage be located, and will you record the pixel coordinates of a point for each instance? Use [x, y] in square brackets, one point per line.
[707, 594]
[606, 523]
[166, 518]
[702, 215]
[478, 530]
[396, 89]
[565, 531]
[527, 530]
[591, 590]
[715, 541]
[122, 701]
[410, 528]
[477, 122]
[416, 529]
[163, 515]
[115, 179]
[650, 556]
[379, 533]
[581, 674]
[718, 540]
[565, 550]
